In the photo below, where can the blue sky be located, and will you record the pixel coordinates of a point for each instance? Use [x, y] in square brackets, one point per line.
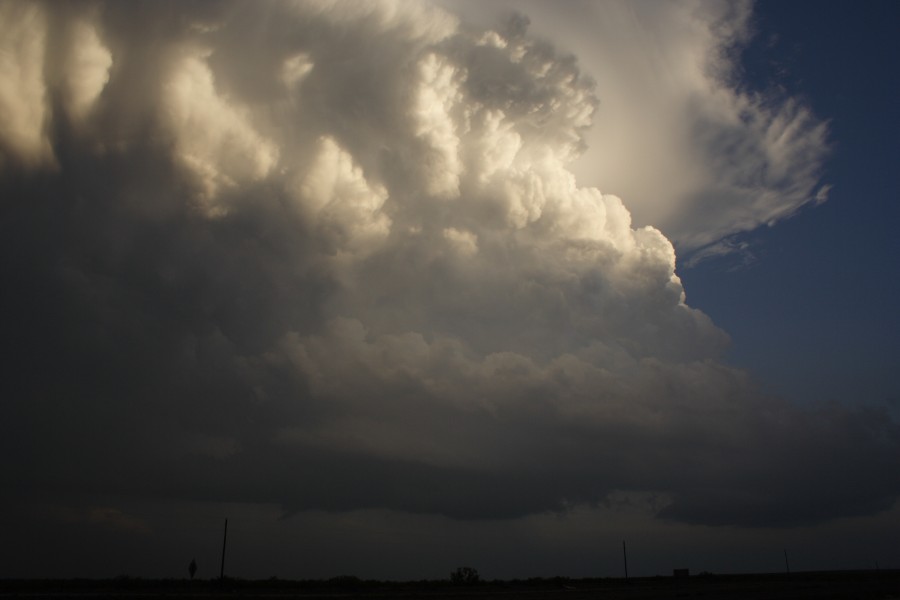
[814, 314]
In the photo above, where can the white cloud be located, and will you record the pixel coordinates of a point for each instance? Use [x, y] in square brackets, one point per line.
[677, 135]
[295, 69]
[85, 70]
[437, 94]
[24, 114]
[346, 208]
[214, 139]
[465, 242]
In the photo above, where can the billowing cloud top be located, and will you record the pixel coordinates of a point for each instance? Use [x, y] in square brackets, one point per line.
[332, 255]
[692, 149]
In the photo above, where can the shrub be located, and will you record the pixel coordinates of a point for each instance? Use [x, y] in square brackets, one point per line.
[465, 575]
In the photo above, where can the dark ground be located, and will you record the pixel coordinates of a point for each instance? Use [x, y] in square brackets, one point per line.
[855, 585]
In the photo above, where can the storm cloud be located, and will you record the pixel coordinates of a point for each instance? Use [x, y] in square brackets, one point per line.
[333, 255]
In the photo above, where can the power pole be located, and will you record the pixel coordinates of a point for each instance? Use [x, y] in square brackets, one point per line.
[787, 567]
[224, 541]
[625, 556]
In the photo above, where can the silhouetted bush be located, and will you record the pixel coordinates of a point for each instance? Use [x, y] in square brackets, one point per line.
[465, 575]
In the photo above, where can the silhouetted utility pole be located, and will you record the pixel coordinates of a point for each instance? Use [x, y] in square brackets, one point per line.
[224, 541]
[787, 567]
[625, 556]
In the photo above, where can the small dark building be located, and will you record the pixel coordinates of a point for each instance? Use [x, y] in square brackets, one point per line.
[678, 573]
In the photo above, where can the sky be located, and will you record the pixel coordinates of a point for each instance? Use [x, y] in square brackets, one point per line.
[398, 287]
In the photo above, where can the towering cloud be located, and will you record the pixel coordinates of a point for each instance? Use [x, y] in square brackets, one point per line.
[333, 255]
[726, 157]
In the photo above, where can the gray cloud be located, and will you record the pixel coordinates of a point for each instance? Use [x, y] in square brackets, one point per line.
[332, 256]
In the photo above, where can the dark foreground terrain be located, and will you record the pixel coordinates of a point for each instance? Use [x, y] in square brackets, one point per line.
[856, 585]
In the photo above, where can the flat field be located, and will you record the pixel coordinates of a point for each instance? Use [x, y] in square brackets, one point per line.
[850, 585]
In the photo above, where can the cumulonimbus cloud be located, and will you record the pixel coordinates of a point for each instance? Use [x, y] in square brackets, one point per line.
[333, 255]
